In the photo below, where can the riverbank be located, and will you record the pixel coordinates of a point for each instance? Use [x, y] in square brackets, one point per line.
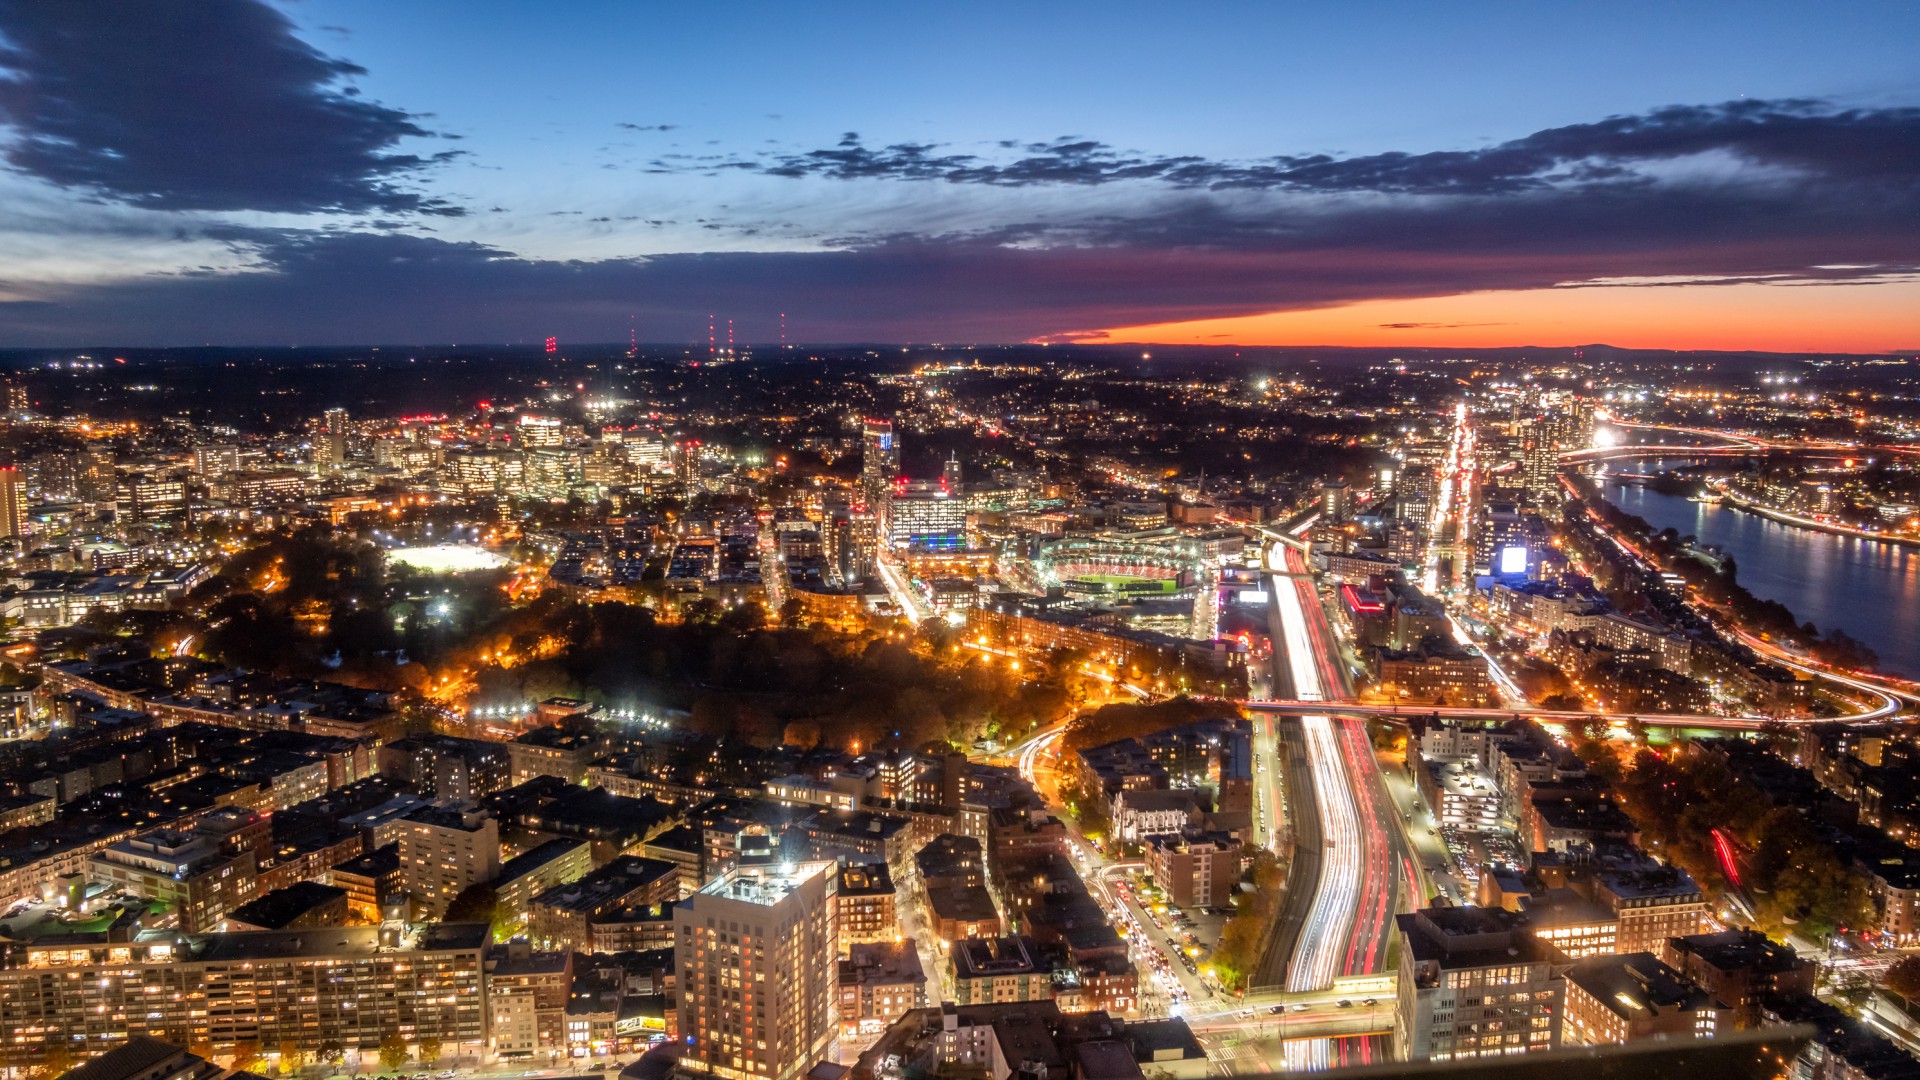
[1751, 506]
[1870, 590]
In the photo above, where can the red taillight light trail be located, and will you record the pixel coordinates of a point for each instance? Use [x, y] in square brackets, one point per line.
[1728, 866]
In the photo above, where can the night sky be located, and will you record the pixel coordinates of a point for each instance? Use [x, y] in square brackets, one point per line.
[1683, 175]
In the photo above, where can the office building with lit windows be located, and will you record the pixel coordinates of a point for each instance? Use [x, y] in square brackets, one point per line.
[759, 970]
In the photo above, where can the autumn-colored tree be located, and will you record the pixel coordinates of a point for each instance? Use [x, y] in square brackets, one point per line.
[1903, 978]
[393, 1051]
[1244, 937]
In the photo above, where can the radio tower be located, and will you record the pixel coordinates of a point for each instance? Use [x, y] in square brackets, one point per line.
[633, 336]
[710, 349]
[729, 340]
[783, 332]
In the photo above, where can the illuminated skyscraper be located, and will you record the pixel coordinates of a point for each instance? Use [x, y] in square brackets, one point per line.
[1336, 502]
[13, 503]
[330, 445]
[879, 459]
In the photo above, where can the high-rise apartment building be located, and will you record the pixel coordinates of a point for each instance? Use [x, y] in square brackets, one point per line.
[1415, 486]
[285, 990]
[445, 847]
[1475, 983]
[1558, 427]
[93, 476]
[55, 474]
[13, 503]
[1336, 502]
[879, 458]
[330, 445]
[758, 970]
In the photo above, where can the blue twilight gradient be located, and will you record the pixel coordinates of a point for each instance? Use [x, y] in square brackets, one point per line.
[539, 106]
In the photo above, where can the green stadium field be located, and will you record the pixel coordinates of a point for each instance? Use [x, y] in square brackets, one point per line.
[1122, 583]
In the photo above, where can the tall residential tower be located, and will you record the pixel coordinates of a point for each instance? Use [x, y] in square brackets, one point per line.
[758, 964]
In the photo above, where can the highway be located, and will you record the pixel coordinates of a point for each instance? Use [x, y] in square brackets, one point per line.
[1885, 709]
[1345, 840]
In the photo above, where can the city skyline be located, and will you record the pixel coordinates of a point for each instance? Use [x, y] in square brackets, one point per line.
[491, 714]
[344, 173]
[1077, 541]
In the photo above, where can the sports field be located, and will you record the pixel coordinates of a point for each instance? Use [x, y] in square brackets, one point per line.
[1123, 583]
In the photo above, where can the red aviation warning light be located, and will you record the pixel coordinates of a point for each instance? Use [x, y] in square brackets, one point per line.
[553, 345]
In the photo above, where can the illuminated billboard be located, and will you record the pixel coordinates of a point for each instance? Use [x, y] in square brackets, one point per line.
[1513, 560]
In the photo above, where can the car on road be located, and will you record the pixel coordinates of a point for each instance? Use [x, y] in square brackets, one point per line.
[1276, 1010]
[1301, 1007]
[1370, 1003]
[1344, 1003]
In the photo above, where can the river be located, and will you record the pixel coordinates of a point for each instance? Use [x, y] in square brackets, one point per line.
[1870, 590]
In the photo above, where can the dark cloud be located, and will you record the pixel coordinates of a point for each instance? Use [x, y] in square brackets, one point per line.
[1835, 200]
[1803, 135]
[1188, 260]
[647, 127]
[208, 105]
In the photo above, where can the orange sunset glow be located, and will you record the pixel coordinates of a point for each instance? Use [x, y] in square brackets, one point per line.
[1784, 318]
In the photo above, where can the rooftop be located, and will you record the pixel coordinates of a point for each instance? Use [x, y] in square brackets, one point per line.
[282, 906]
[764, 885]
[1636, 985]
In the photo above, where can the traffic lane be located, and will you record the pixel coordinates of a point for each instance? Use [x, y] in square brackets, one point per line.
[1420, 832]
[1131, 918]
[1150, 938]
